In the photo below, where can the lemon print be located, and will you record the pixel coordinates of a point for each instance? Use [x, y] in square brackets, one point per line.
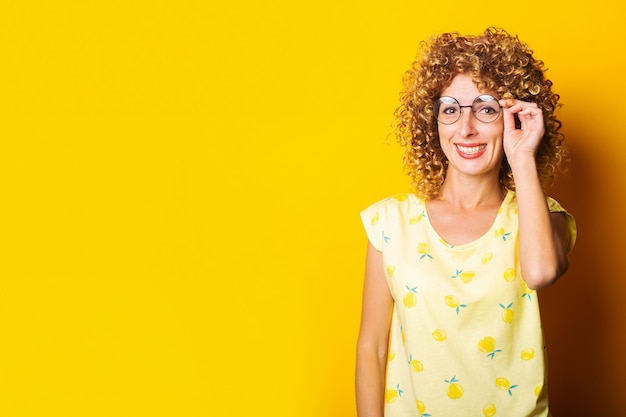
[416, 365]
[508, 316]
[402, 334]
[452, 302]
[466, 276]
[410, 300]
[391, 270]
[528, 354]
[507, 313]
[421, 407]
[505, 385]
[501, 233]
[509, 275]
[391, 356]
[486, 258]
[488, 345]
[439, 335]
[374, 219]
[424, 250]
[527, 292]
[538, 389]
[455, 390]
[489, 410]
[392, 394]
[416, 219]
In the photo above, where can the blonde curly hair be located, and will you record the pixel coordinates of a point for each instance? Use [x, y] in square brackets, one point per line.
[497, 62]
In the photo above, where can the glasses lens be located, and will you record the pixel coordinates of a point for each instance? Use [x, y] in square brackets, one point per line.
[486, 108]
[447, 110]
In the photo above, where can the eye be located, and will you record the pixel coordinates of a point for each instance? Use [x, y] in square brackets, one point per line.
[449, 110]
[487, 109]
[486, 105]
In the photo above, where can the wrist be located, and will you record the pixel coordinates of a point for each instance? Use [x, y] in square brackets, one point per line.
[525, 163]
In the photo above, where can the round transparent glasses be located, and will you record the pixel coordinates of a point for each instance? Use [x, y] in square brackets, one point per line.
[485, 108]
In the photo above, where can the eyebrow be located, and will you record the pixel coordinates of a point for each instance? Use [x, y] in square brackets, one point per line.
[475, 98]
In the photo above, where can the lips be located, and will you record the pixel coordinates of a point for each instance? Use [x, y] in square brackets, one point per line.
[471, 151]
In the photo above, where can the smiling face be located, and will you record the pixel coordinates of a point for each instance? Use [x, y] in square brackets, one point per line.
[473, 148]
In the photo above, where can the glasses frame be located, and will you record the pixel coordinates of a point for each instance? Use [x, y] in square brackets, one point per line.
[480, 99]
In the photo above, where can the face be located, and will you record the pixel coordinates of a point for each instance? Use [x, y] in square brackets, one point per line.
[472, 147]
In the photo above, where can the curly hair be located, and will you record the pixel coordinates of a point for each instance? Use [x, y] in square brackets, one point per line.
[497, 62]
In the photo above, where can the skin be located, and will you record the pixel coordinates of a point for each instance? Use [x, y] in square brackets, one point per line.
[465, 210]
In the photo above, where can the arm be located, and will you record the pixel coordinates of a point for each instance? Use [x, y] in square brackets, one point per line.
[542, 235]
[371, 357]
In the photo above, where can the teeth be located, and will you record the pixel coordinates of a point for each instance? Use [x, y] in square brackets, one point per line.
[471, 149]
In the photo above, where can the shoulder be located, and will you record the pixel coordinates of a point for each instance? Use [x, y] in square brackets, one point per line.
[395, 204]
[389, 214]
[555, 207]
[570, 222]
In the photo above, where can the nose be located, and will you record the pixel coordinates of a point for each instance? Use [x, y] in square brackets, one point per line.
[467, 121]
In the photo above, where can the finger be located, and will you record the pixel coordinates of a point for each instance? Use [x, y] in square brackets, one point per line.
[507, 102]
[509, 119]
[523, 107]
[531, 117]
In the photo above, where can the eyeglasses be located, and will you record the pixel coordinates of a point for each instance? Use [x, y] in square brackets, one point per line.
[485, 108]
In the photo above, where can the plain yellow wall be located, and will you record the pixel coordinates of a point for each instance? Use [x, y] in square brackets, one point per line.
[181, 182]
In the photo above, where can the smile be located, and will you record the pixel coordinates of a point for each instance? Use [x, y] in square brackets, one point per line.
[472, 151]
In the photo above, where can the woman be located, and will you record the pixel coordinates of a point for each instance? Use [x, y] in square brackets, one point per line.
[450, 322]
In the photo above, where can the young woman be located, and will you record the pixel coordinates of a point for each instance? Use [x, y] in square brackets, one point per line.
[450, 322]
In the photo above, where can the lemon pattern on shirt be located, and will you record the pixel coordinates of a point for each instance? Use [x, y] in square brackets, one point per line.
[465, 336]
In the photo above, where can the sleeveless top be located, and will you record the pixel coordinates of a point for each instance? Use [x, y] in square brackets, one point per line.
[465, 336]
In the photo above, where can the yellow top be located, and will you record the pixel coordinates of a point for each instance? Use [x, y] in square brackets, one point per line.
[466, 337]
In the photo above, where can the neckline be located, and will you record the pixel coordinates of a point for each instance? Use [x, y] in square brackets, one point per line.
[507, 198]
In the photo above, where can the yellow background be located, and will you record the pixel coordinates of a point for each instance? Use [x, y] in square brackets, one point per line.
[181, 182]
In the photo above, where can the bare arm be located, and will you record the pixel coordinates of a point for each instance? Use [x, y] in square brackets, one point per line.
[373, 338]
[542, 235]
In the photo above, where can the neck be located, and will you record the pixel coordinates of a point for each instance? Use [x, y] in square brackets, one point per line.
[471, 194]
